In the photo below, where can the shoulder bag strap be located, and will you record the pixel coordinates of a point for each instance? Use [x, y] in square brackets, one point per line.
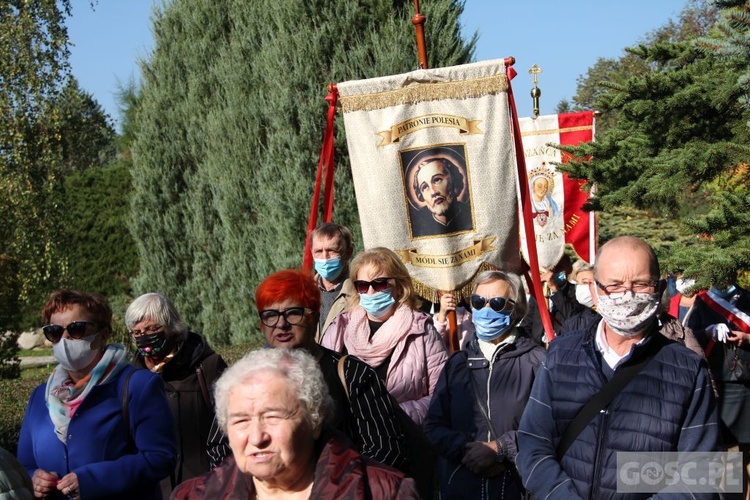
[125, 408]
[605, 396]
[342, 377]
[203, 386]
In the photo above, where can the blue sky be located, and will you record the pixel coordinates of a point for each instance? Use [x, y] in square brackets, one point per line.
[563, 37]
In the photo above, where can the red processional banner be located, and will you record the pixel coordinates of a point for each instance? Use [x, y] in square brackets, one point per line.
[556, 199]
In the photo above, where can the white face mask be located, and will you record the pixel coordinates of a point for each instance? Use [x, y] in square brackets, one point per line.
[630, 314]
[583, 295]
[75, 354]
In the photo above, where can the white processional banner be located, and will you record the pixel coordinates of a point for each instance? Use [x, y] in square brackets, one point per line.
[434, 171]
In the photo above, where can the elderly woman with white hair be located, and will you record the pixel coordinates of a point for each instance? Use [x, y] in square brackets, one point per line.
[188, 367]
[273, 404]
[481, 394]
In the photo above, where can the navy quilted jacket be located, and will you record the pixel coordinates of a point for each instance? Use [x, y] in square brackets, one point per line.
[453, 418]
[668, 406]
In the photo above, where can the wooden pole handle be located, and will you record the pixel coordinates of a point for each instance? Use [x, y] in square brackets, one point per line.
[418, 21]
[454, 343]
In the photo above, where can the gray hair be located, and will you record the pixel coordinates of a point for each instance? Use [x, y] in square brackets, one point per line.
[516, 289]
[156, 307]
[296, 366]
[581, 266]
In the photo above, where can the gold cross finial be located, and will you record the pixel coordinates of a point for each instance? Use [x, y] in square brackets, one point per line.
[536, 92]
[535, 71]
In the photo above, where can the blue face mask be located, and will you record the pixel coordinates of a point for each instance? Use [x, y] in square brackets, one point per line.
[560, 279]
[378, 303]
[726, 293]
[488, 324]
[329, 269]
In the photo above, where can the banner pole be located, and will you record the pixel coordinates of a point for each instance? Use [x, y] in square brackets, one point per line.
[526, 209]
[325, 163]
[418, 22]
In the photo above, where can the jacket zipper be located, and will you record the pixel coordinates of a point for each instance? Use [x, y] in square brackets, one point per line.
[599, 454]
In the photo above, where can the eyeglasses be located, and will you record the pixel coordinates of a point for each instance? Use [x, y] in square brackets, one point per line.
[497, 304]
[148, 331]
[378, 284]
[635, 287]
[76, 330]
[292, 315]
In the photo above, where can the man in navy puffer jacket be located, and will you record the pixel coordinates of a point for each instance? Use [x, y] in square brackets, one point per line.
[668, 406]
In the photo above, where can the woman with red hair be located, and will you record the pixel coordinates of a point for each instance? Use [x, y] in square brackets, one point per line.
[288, 304]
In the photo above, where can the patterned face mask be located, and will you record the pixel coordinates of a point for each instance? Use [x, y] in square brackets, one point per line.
[154, 344]
[630, 314]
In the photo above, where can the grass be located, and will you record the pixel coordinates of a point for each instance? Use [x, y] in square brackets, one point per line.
[33, 353]
[14, 394]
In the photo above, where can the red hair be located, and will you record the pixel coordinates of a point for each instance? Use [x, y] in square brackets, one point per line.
[296, 284]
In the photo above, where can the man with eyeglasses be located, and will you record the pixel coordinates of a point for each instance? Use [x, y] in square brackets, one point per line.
[618, 385]
[288, 302]
[331, 247]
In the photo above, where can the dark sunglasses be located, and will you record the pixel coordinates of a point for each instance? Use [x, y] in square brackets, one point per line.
[76, 330]
[292, 315]
[378, 284]
[497, 304]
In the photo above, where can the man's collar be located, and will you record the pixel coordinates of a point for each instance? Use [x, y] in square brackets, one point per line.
[608, 354]
[337, 286]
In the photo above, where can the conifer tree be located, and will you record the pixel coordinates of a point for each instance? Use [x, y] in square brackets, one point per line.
[86, 133]
[677, 144]
[229, 128]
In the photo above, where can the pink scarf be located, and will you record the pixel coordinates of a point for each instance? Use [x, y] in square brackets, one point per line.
[384, 341]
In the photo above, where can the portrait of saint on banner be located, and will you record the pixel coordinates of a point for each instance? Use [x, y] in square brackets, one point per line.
[542, 185]
[436, 182]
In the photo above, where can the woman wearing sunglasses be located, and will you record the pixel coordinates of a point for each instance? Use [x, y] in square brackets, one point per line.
[481, 394]
[98, 428]
[383, 328]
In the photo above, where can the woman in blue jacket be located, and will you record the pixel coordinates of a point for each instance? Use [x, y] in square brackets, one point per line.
[481, 394]
[98, 428]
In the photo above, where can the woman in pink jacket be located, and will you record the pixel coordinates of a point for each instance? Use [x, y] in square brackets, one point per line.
[383, 328]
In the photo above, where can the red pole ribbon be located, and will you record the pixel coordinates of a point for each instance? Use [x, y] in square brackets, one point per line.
[523, 179]
[331, 98]
[325, 162]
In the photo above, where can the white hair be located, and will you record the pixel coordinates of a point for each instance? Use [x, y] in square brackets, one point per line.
[156, 307]
[296, 366]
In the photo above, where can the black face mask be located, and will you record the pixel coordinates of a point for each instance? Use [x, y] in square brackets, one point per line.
[154, 344]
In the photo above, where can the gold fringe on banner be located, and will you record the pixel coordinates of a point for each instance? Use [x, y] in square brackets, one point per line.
[465, 89]
[463, 292]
